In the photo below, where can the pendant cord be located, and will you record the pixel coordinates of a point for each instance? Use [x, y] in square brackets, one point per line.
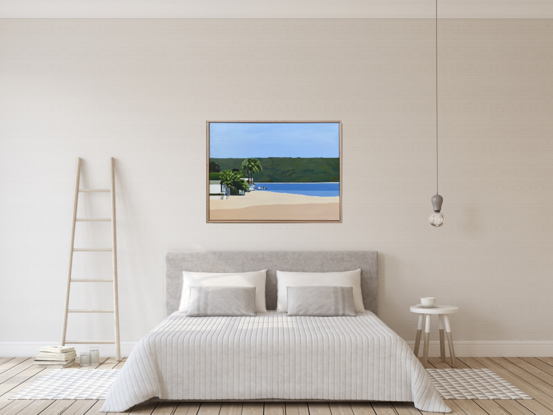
[437, 170]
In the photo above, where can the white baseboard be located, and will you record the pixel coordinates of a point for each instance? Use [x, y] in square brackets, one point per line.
[26, 349]
[462, 348]
[492, 348]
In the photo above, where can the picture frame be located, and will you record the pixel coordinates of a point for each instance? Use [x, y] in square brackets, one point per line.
[302, 183]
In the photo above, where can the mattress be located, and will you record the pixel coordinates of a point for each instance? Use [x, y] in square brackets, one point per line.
[273, 357]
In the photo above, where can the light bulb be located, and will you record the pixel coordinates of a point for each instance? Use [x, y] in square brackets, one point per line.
[437, 219]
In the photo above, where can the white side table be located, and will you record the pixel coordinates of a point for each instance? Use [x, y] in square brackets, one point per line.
[442, 312]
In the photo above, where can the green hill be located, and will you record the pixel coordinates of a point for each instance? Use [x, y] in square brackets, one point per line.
[288, 169]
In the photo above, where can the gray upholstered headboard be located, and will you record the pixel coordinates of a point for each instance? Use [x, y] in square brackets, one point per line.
[228, 261]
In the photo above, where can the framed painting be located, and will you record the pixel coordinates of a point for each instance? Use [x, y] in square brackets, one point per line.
[274, 171]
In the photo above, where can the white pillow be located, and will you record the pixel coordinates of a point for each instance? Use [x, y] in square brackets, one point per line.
[234, 279]
[307, 279]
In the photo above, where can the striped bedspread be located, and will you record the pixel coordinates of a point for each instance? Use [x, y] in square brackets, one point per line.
[273, 356]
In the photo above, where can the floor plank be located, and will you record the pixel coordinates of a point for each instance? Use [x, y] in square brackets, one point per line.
[535, 406]
[339, 408]
[14, 407]
[383, 408]
[10, 373]
[4, 359]
[540, 374]
[144, 408]
[109, 363]
[318, 408]
[297, 409]
[273, 408]
[362, 408]
[459, 364]
[471, 363]
[469, 407]
[80, 407]
[437, 363]
[186, 408]
[513, 407]
[252, 408]
[534, 361]
[209, 408]
[95, 410]
[57, 407]
[165, 408]
[405, 408]
[491, 407]
[14, 362]
[235, 408]
[548, 360]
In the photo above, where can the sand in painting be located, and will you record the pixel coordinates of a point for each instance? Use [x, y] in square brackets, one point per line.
[274, 206]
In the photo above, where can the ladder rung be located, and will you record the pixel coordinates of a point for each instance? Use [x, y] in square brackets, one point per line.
[90, 311]
[89, 342]
[92, 249]
[93, 220]
[90, 280]
[93, 190]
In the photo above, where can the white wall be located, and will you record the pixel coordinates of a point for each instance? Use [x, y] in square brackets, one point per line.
[142, 90]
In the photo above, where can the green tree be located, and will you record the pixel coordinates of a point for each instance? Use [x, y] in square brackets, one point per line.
[251, 166]
[234, 181]
[214, 167]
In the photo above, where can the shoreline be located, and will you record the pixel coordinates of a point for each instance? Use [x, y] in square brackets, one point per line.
[298, 182]
[266, 197]
[267, 205]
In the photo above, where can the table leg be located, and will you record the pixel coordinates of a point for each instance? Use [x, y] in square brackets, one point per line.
[449, 340]
[442, 340]
[418, 337]
[426, 341]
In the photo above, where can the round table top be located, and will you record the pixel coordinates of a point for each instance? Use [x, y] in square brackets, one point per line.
[437, 309]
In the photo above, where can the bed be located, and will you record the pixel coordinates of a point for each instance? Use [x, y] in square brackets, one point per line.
[273, 357]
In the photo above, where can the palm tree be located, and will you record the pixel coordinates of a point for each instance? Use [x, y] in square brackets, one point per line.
[233, 181]
[251, 166]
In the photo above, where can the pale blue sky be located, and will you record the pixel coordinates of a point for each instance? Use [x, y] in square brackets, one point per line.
[243, 140]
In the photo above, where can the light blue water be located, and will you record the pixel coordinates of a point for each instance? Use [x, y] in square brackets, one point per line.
[307, 189]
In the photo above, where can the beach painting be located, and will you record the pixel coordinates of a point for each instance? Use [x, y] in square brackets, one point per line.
[264, 171]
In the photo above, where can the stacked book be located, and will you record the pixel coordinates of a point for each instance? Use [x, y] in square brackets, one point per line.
[61, 356]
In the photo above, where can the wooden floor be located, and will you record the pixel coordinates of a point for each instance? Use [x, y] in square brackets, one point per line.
[532, 375]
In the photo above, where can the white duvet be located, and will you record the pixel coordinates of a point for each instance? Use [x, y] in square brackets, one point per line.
[273, 356]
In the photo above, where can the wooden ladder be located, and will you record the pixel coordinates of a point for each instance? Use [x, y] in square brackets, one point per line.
[113, 251]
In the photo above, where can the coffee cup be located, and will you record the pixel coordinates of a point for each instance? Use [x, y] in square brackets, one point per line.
[428, 301]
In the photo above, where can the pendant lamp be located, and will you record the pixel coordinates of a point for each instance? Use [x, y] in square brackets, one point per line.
[437, 218]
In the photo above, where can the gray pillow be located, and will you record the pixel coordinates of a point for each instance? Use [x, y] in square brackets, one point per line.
[320, 301]
[221, 301]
